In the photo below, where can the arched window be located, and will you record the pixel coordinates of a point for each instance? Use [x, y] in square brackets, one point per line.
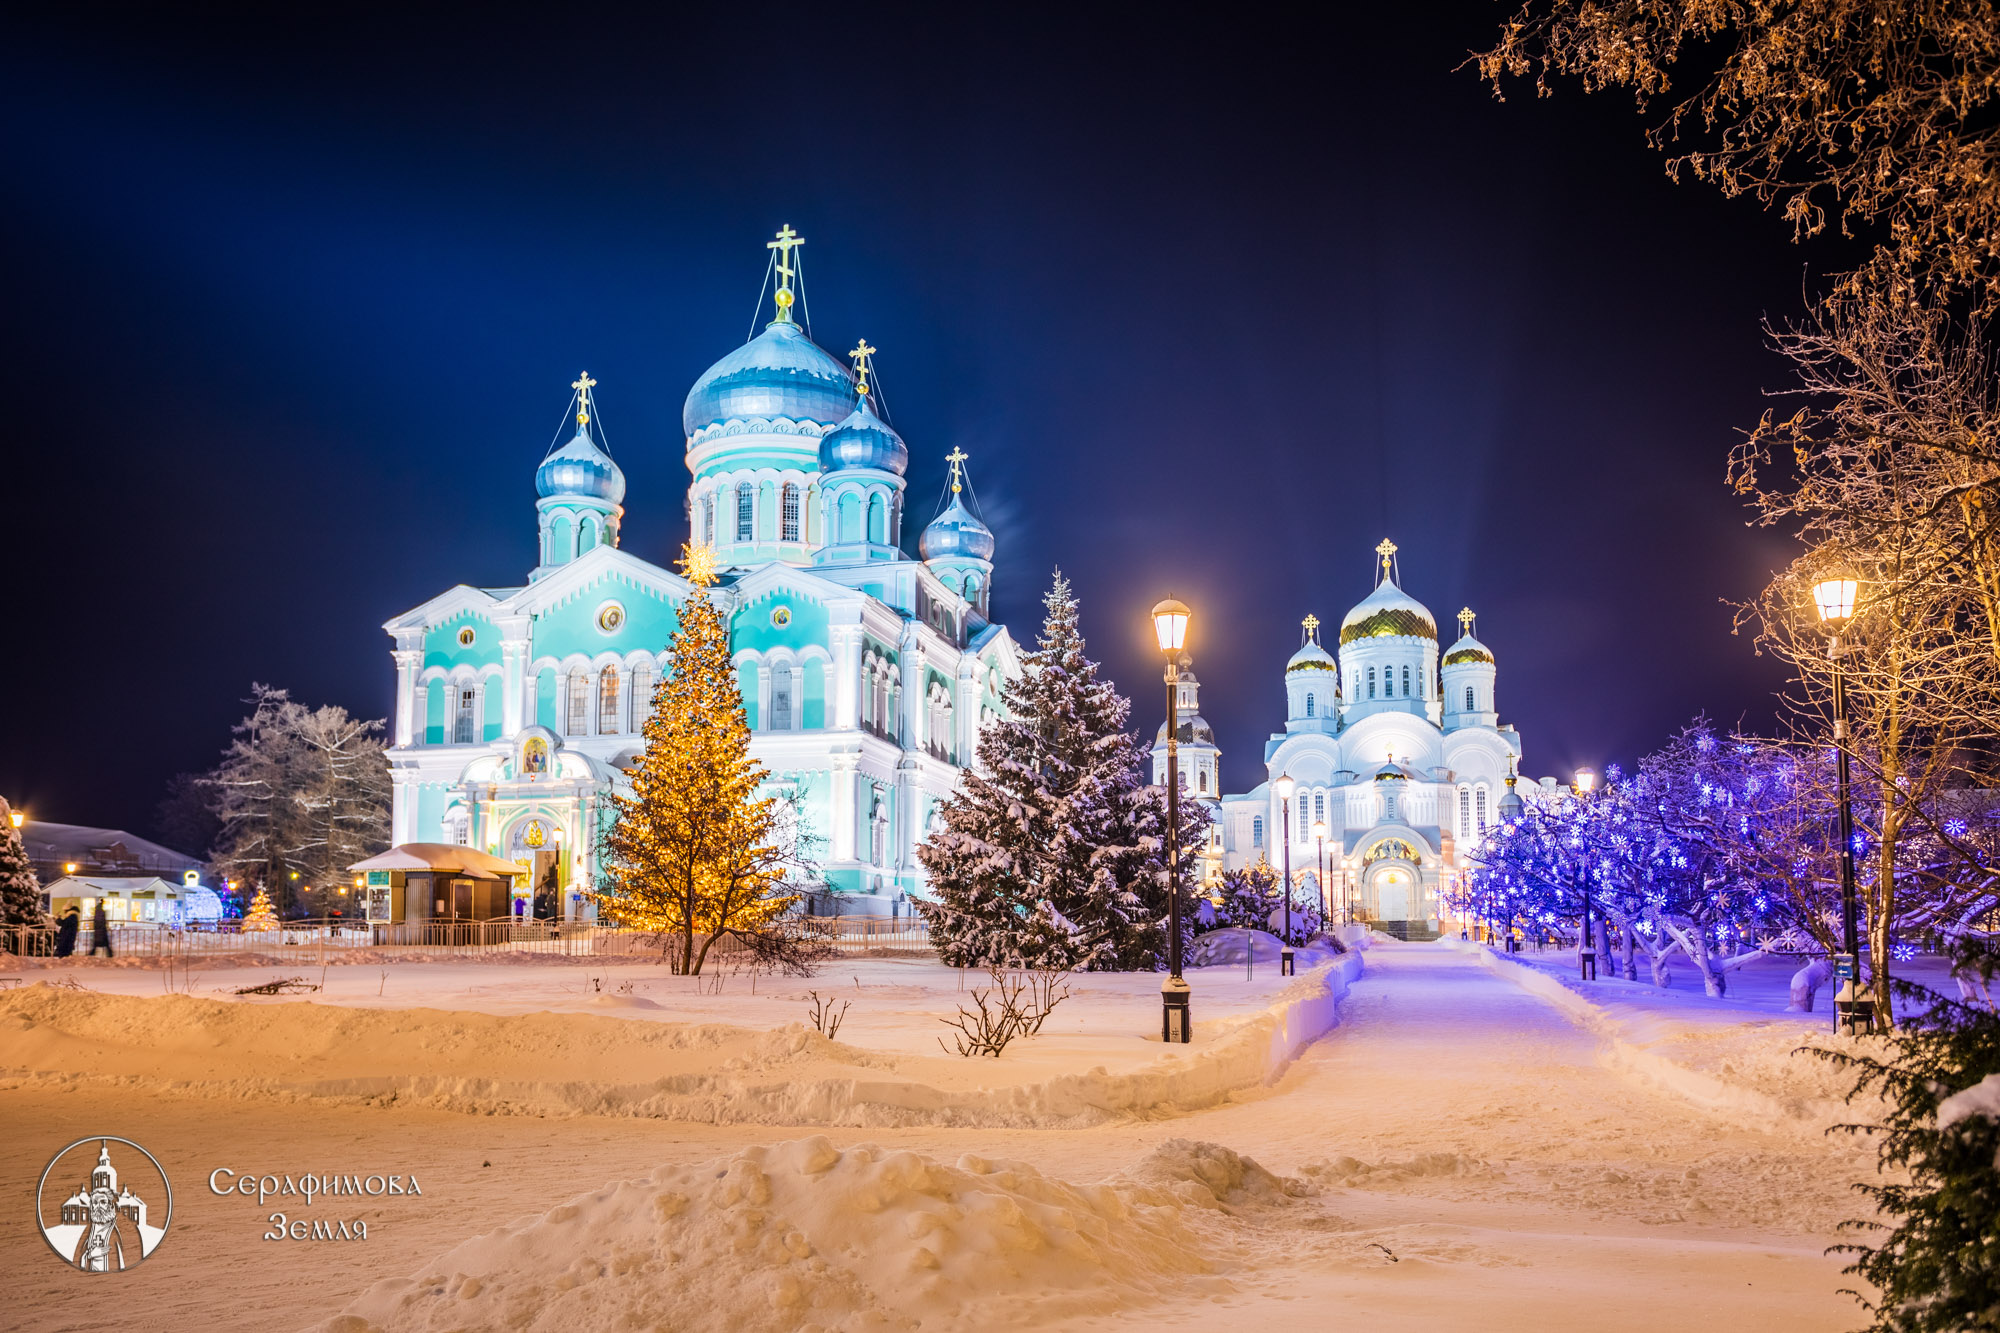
[1468, 698]
[642, 697]
[1465, 812]
[781, 696]
[1479, 812]
[607, 702]
[788, 514]
[1257, 831]
[461, 722]
[1319, 805]
[1406, 681]
[1309, 705]
[1201, 780]
[746, 512]
[1371, 682]
[868, 693]
[578, 722]
[708, 521]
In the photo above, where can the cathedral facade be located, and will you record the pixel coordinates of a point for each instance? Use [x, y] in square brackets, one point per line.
[1396, 754]
[866, 674]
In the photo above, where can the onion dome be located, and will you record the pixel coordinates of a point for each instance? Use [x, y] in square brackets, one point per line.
[580, 468]
[863, 440]
[780, 373]
[1194, 730]
[1388, 612]
[956, 533]
[1391, 772]
[1311, 657]
[1467, 650]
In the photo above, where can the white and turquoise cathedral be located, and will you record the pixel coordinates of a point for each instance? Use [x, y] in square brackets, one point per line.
[865, 674]
[1396, 754]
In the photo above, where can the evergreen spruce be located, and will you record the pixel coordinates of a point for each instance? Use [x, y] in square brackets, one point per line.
[694, 853]
[1052, 852]
[20, 890]
[1937, 1268]
[261, 916]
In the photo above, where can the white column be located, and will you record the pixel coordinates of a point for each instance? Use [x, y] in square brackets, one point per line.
[763, 696]
[399, 810]
[912, 655]
[516, 701]
[966, 711]
[846, 675]
[844, 780]
[406, 660]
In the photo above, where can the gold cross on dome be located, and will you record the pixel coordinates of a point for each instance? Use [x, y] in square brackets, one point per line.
[697, 564]
[583, 384]
[956, 458]
[788, 241]
[1465, 618]
[1311, 623]
[859, 356]
[1387, 550]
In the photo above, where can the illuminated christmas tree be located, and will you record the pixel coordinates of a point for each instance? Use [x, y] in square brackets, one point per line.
[695, 853]
[20, 890]
[260, 916]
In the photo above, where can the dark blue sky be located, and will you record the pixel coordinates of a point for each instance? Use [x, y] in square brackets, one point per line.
[292, 306]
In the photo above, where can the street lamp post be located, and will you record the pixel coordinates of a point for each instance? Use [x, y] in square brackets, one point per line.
[1325, 898]
[1586, 953]
[1170, 622]
[1284, 786]
[1834, 598]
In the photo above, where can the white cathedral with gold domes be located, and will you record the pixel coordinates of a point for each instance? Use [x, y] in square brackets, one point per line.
[866, 674]
[1397, 760]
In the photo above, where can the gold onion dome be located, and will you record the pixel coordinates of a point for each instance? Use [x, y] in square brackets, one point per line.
[1388, 612]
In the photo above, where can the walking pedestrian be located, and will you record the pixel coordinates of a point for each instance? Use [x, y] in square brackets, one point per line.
[100, 931]
[66, 926]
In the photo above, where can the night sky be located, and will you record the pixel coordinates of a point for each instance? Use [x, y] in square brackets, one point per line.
[1214, 304]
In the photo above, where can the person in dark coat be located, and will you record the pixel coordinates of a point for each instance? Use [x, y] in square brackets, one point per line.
[66, 931]
[100, 931]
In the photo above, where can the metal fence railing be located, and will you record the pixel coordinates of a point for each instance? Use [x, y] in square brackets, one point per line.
[853, 935]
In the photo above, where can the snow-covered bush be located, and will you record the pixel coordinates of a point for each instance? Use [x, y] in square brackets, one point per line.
[1937, 1266]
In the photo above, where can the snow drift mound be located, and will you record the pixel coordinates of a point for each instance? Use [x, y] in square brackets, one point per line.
[802, 1235]
[1227, 947]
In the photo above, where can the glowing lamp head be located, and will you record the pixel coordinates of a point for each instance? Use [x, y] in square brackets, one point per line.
[1586, 780]
[16, 818]
[1319, 830]
[1284, 786]
[1833, 596]
[1170, 622]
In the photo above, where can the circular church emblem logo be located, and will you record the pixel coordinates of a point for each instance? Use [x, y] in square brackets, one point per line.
[103, 1209]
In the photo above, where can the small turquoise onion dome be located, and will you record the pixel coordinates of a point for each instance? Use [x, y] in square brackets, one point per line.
[780, 373]
[1467, 650]
[580, 468]
[956, 532]
[863, 440]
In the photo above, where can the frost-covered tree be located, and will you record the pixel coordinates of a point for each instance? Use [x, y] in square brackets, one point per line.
[1249, 897]
[1052, 853]
[20, 890]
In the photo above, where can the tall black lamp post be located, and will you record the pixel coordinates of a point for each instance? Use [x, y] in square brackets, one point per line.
[1834, 597]
[1586, 954]
[1170, 622]
[1325, 897]
[1284, 787]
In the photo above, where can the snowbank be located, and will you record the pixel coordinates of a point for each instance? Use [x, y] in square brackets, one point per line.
[1747, 1066]
[1227, 948]
[803, 1235]
[592, 1064]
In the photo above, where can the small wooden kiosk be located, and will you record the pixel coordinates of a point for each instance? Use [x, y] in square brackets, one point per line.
[422, 882]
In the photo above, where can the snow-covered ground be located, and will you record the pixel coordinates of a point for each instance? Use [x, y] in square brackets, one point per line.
[1463, 1150]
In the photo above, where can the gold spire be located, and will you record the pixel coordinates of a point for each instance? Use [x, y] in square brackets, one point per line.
[1387, 550]
[1465, 619]
[583, 384]
[1311, 623]
[859, 356]
[956, 458]
[788, 241]
[697, 564]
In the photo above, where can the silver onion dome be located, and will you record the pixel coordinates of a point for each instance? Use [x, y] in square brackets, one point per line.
[580, 468]
[956, 532]
[863, 440]
[780, 373]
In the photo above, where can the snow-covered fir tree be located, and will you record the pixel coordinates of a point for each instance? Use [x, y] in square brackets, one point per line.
[1053, 853]
[20, 890]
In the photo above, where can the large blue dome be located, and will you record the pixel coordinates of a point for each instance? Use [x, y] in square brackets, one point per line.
[863, 440]
[778, 373]
[956, 532]
[580, 468]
